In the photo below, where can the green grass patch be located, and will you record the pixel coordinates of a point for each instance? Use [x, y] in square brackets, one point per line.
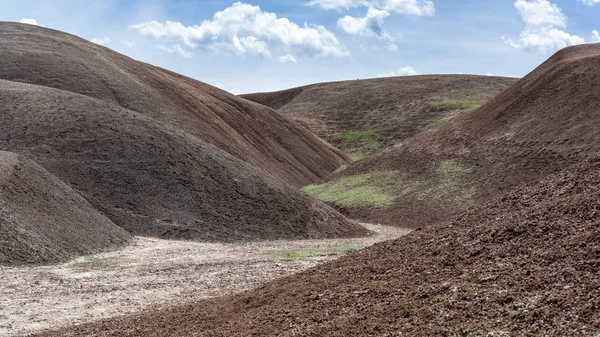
[360, 142]
[301, 254]
[341, 168]
[365, 190]
[466, 103]
[437, 122]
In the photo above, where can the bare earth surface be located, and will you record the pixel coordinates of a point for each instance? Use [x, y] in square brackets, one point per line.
[154, 273]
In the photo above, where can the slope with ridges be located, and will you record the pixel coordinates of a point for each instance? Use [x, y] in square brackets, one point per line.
[42, 220]
[250, 131]
[395, 107]
[153, 179]
[538, 126]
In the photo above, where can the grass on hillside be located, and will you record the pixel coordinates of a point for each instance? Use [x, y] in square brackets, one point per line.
[437, 122]
[359, 143]
[466, 103]
[381, 189]
[301, 254]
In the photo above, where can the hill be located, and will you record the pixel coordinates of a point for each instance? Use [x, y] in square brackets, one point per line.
[525, 264]
[153, 179]
[540, 125]
[249, 131]
[363, 116]
[42, 220]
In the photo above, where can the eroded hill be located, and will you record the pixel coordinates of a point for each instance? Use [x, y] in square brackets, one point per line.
[249, 131]
[42, 220]
[364, 116]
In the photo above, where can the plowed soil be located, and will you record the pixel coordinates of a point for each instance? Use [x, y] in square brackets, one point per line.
[249, 131]
[42, 220]
[396, 107]
[525, 264]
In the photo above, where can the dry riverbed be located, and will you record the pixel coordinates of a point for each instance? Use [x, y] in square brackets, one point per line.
[153, 273]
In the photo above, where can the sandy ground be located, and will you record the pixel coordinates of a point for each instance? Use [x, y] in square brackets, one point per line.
[154, 273]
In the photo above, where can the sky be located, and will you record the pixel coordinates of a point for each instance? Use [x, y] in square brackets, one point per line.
[257, 45]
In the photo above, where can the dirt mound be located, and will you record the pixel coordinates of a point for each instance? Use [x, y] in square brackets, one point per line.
[365, 115]
[539, 126]
[249, 131]
[42, 220]
[153, 179]
[524, 264]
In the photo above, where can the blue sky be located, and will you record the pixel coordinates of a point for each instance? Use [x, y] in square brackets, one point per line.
[257, 45]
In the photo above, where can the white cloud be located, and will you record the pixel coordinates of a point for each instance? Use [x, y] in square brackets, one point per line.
[30, 22]
[174, 49]
[370, 25]
[543, 27]
[408, 7]
[595, 36]
[287, 58]
[246, 29]
[590, 2]
[103, 41]
[406, 71]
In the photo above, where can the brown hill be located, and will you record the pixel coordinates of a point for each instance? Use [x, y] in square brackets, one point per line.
[153, 179]
[365, 115]
[249, 131]
[42, 220]
[538, 126]
[525, 264]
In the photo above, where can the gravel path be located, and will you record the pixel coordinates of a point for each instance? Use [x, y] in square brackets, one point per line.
[153, 273]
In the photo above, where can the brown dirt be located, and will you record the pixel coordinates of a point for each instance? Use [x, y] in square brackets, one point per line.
[153, 179]
[542, 124]
[396, 106]
[154, 273]
[42, 220]
[247, 130]
[525, 264]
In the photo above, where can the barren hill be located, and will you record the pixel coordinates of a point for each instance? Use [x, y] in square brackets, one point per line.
[42, 220]
[247, 130]
[523, 264]
[540, 125]
[365, 115]
[153, 179]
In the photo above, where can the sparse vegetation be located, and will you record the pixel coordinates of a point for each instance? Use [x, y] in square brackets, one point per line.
[95, 262]
[341, 168]
[359, 143]
[301, 254]
[466, 103]
[363, 190]
[437, 122]
[381, 189]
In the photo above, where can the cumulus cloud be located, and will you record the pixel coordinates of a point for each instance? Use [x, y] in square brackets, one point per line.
[30, 22]
[174, 49]
[102, 41]
[288, 58]
[409, 7]
[370, 25]
[590, 2]
[245, 29]
[406, 71]
[595, 36]
[544, 24]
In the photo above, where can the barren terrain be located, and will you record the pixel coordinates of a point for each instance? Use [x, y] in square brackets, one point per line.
[154, 273]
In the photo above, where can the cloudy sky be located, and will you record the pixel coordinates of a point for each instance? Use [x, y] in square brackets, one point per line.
[259, 45]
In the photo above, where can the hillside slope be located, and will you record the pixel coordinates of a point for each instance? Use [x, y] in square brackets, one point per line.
[542, 124]
[42, 220]
[525, 264]
[249, 131]
[366, 115]
[153, 179]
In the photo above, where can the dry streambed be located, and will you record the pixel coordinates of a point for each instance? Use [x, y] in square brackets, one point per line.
[153, 273]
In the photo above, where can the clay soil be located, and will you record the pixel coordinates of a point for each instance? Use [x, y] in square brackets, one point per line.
[525, 264]
[153, 274]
